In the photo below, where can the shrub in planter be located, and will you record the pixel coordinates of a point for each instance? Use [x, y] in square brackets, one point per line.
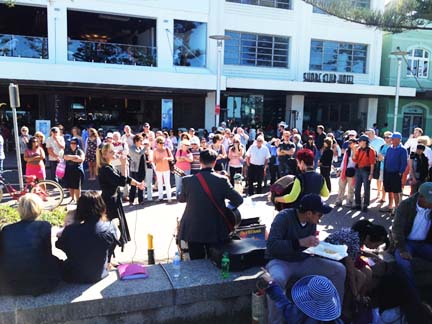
[10, 215]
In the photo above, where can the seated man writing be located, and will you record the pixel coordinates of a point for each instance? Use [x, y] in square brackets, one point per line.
[293, 231]
[411, 232]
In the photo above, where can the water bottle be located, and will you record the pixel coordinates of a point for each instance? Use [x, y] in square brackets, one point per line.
[176, 265]
[225, 264]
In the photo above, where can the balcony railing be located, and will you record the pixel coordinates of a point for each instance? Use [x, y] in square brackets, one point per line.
[23, 46]
[111, 53]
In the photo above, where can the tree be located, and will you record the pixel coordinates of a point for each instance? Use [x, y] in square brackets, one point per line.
[398, 16]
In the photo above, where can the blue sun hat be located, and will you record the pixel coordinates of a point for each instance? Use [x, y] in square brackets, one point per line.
[317, 297]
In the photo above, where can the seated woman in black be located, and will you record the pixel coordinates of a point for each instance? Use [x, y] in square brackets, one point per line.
[27, 266]
[88, 242]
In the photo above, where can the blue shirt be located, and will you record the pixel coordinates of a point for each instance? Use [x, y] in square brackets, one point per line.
[273, 152]
[396, 159]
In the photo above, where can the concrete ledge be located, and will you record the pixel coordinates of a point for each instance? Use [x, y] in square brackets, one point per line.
[198, 294]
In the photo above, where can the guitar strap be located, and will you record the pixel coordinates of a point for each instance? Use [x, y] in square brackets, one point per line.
[210, 195]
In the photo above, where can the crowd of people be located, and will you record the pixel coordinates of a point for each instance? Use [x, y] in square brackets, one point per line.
[130, 165]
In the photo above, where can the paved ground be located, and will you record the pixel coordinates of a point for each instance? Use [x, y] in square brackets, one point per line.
[160, 219]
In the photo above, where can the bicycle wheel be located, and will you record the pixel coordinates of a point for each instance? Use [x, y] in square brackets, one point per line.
[1, 193]
[50, 192]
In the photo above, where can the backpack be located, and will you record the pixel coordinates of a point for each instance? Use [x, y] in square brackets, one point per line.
[282, 187]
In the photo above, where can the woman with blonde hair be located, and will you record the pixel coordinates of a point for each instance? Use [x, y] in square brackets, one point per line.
[93, 142]
[27, 265]
[110, 179]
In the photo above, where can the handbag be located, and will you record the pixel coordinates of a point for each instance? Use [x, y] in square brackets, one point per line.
[61, 169]
[231, 216]
[171, 163]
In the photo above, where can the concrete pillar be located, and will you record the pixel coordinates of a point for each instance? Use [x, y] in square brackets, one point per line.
[57, 32]
[165, 43]
[209, 118]
[294, 103]
[372, 111]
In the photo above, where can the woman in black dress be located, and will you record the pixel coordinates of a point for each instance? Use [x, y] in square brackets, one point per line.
[326, 161]
[74, 173]
[109, 181]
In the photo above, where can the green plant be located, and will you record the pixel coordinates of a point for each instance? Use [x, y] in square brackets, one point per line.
[9, 215]
[10, 3]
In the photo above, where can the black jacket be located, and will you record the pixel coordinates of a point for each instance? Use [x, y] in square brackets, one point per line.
[87, 247]
[201, 221]
[27, 265]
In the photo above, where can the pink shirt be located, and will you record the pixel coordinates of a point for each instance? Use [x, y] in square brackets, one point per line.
[184, 165]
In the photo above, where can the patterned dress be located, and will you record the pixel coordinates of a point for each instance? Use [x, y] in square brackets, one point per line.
[91, 150]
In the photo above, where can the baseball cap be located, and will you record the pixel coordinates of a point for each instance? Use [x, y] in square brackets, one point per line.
[364, 138]
[185, 142]
[109, 135]
[314, 203]
[146, 125]
[352, 133]
[194, 141]
[397, 135]
[191, 129]
[426, 191]
[421, 147]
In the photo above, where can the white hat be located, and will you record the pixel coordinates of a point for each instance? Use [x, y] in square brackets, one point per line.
[109, 135]
[352, 132]
[194, 140]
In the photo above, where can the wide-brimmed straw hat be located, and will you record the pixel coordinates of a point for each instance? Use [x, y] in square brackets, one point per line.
[317, 297]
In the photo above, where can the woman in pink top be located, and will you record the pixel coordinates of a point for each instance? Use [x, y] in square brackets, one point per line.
[161, 156]
[34, 157]
[235, 155]
[184, 159]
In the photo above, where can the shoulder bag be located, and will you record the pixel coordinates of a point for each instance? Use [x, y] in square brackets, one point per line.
[231, 217]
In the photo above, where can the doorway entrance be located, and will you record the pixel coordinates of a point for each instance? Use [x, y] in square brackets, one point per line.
[413, 117]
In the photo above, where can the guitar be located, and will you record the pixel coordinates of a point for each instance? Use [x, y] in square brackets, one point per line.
[233, 216]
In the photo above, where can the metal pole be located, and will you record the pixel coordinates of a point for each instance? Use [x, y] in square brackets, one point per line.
[397, 94]
[14, 100]
[218, 82]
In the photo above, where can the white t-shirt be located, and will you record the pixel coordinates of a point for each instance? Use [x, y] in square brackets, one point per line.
[258, 156]
[51, 143]
[128, 139]
[421, 225]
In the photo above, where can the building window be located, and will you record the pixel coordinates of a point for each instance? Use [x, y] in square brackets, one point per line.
[190, 39]
[418, 63]
[281, 4]
[364, 4]
[111, 39]
[256, 50]
[337, 57]
[23, 32]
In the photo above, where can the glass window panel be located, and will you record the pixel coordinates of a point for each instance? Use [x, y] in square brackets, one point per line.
[248, 43]
[329, 67]
[263, 38]
[263, 63]
[264, 57]
[265, 51]
[278, 45]
[247, 62]
[418, 53]
[280, 64]
[281, 40]
[190, 41]
[248, 36]
[232, 34]
[248, 49]
[316, 43]
[315, 67]
[228, 60]
[265, 44]
[280, 52]
[426, 54]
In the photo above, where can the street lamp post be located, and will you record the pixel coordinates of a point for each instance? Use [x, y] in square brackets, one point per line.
[219, 39]
[14, 99]
[399, 54]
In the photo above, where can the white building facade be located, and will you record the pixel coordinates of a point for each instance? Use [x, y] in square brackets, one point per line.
[110, 62]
